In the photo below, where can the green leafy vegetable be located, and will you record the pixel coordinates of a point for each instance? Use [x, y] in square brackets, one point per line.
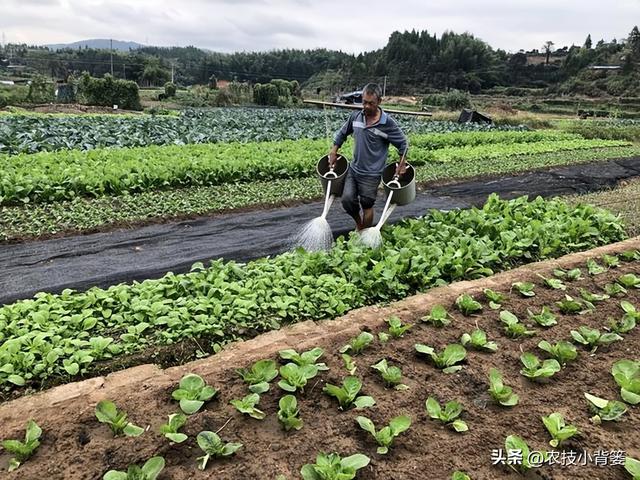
[478, 340]
[514, 443]
[358, 344]
[289, 414]
[447, 415]
[391, 375]
[107, 412]
[632, 466]
[259, 375]
[438, 317]
[247, 405]
[332, 467]
[192, 393]
[571, 306]
[467, 304]
[347, 395]
[629, 280]
[310, 357]
[562, 351]
[626, 373]
[535, 369]
[513, 327]
[447, 359]
[396, 328]
[23, 450]
[499, 391]
[385, 436]
[149, 471]
[558, 429]
[495, 298]
[212, 446]
[605, 410]
[594, 268]
[553, 283]
[349, 363]
[170, 429]
[295, 377]
[593, 338]
[545, 318]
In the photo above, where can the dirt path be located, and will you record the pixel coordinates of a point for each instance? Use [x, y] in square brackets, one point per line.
[76, 446]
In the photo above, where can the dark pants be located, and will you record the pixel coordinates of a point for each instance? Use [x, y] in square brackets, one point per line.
[359, 190]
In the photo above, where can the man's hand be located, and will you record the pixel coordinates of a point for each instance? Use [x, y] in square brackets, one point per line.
[333, 156]
[401, 167]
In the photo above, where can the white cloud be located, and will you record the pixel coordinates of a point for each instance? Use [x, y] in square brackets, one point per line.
[251, 25]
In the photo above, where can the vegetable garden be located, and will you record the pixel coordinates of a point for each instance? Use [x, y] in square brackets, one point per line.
[392, 382]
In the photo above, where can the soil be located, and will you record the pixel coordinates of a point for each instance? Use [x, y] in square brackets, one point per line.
[76, 446]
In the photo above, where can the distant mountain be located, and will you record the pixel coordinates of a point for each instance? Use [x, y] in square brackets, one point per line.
[97, 43]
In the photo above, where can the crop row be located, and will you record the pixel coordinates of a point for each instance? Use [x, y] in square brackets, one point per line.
[30, 134]
[81, 214]
[54, 176]
[58, 335]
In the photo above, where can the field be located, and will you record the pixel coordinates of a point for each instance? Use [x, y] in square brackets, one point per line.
[62, 352]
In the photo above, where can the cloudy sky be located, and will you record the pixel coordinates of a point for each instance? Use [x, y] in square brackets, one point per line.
[250, 25]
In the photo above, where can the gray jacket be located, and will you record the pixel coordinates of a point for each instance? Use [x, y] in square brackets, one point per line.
[371, 142]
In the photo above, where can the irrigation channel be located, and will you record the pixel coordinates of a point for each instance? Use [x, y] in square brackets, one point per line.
[108, 258]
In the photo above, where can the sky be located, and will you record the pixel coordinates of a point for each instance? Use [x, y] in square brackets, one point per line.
[353, 27]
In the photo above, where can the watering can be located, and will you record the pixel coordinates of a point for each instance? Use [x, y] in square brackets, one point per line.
[403, 186]
[335, 175]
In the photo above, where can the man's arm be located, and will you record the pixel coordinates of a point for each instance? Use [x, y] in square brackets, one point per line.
[339, 139]
[399, 140]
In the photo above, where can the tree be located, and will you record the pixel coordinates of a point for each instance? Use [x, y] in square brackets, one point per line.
[548, 45]
[634, 42]
[587, 42]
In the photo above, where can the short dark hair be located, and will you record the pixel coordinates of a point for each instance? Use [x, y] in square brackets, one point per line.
[373, 89]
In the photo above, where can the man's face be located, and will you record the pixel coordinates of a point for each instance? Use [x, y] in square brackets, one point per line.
[370, 104]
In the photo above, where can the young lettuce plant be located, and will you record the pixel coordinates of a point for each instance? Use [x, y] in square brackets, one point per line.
[332, 467]
[535, 369]
[23, 450]
[347, 395]
[525, 289]
[545, 318]
[309, 357]
[553, 283]
[212, 446]
[558, 429]
[605, 410]
[396, 328]
[289, 414]
[149, 471]
[632, 466]
[571, 306]
[295, 377]
[593, 297]
[170, 429]
[630, 255]
[107, 412]
[391, 374]
[614, 289]
[594, 268]
[385, 436]
[192, 393]
[571, 275]
[439, 317]
[629, 280]
[611, 261]
[477, 340]
[259, 375]
[447, 359]
[247, 405]
[496, 299]
[628, 320]
[467, 304]
[499, 391]
[626, 373]
[562, 351]
[592, 337]
[449, 415]
[458, 475]
[358, 344]
[514, 443]
[512, 326]
[349, 364]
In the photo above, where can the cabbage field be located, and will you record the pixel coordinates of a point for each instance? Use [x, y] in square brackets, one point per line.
[475, 343]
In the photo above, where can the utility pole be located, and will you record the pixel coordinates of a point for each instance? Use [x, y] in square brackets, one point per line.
[384, 86]
[111, 53]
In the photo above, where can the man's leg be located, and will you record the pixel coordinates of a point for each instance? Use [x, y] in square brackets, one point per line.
[368, 188]
[350, 199]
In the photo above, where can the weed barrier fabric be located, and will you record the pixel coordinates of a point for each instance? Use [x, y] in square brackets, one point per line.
[105, 259]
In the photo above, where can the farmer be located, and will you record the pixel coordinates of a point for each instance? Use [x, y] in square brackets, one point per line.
[373, 130]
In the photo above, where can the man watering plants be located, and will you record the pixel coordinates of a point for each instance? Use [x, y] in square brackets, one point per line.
[373, 130]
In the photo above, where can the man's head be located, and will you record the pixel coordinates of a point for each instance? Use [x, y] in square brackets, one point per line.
[371, 98]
